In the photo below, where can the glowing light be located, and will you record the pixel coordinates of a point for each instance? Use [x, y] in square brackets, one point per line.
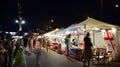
[23, 22]
[97, 29]
[12, 33]
[52, 20]
[67, 32]
[16, 21]
[6, 32]
[113, 30]
[84, 30]
[116, 5]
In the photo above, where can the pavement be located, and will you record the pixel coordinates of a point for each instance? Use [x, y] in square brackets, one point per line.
[53, 59]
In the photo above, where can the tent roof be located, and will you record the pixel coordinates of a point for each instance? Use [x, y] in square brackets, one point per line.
[53, 31]
[92, 24]
[88, 24]
[68, 29]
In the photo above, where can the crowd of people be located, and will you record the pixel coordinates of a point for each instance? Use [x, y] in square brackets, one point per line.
[10, 46]
[8, 50]
[35, 44]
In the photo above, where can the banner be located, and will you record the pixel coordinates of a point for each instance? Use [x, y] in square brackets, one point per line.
[109, 39]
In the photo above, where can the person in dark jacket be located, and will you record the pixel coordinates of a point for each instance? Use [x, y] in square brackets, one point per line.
[8, 51]
[87, 49]
[25, 39]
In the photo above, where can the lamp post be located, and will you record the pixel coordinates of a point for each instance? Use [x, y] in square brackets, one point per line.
[20, 21]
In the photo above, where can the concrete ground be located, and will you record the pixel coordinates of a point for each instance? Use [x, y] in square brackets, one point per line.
[53, 59]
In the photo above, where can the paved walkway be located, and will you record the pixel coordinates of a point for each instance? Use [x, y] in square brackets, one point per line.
[52, 59]
[49, 59]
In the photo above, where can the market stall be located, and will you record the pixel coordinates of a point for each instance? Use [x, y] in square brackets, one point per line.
[103, 35]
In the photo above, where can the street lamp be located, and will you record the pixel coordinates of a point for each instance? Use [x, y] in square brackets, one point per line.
[20, 21]
[23, 21]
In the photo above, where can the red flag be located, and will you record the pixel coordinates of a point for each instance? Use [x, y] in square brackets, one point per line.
[108, 37]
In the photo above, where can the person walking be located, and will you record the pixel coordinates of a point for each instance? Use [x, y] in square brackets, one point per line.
[25, 39]
[45, 42]
[37, 50]
[17, 46]
[31, 43]
[48, 44]
[87, 50]
[8, 51]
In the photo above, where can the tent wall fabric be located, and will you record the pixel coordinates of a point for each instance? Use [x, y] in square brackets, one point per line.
[117, 51]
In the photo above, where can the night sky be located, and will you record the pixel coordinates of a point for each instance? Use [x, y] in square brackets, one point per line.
[37, 13]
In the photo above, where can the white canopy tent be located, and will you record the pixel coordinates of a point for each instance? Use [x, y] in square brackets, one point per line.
[95, 27]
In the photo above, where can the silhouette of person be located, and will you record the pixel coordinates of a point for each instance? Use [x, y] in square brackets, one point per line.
[48, 44]
[87, 50]
[25, 39]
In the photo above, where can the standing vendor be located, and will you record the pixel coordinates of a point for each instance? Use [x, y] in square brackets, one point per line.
[68, 43]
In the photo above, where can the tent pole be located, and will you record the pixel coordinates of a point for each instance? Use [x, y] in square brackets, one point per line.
[84, 29]
[117, 38]
[93, 38]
